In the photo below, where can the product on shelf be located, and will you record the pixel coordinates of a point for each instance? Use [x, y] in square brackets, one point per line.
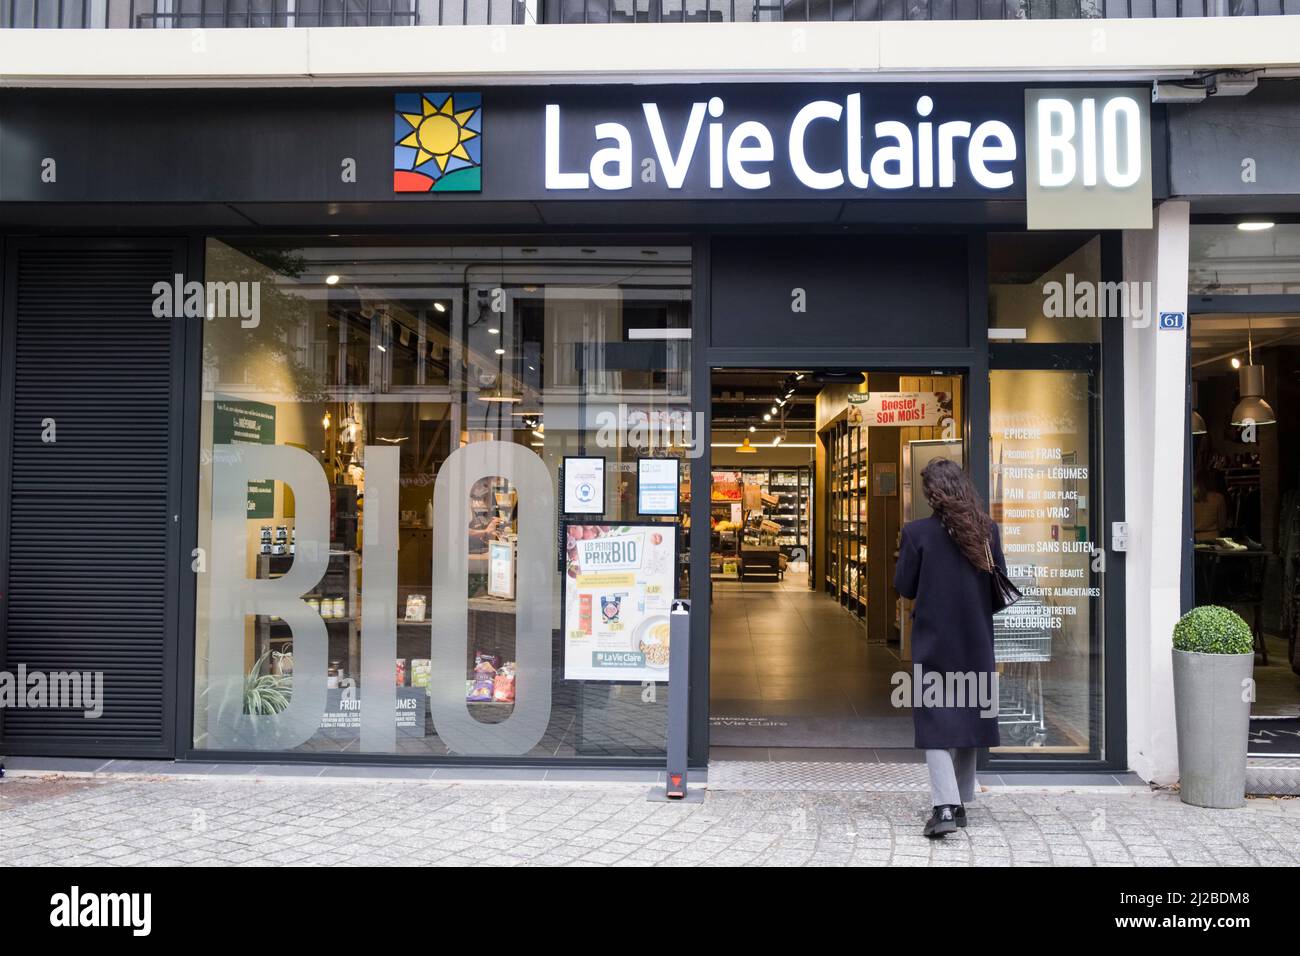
[421, 668]
[401, 672]
[503, 685]
[483, 684]
[282, 661]
[416, 605]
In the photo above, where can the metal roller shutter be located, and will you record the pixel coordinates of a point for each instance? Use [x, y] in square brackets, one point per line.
[91, 582]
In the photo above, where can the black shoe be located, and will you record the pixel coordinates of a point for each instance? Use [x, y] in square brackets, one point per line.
[960, 816]
[942, 822]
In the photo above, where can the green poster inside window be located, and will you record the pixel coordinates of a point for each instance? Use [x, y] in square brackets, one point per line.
[241, 422]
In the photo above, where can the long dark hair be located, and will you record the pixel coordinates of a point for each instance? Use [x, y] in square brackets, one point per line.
[957, 504]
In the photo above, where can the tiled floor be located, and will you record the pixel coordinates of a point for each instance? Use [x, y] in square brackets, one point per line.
[132, 821]
[790, 668]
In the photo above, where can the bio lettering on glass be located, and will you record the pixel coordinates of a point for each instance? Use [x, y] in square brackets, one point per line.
[235, 596]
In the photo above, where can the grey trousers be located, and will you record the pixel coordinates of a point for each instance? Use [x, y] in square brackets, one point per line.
[952, 775]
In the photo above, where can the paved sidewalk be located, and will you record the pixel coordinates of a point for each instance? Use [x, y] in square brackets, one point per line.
[126, 820]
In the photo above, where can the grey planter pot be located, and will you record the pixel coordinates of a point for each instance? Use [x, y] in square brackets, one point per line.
[1213, 726]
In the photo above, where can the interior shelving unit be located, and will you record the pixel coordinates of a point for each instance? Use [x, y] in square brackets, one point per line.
[792, 487]
[847, 488]
[340, 581]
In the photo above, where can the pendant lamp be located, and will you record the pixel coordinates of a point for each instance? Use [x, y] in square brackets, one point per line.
[746, 449]
[1198, 423]
[1250, 384]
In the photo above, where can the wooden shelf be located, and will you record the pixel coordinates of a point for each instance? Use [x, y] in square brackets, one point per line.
[340, 580]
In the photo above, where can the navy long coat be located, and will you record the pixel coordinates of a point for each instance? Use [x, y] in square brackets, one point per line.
[952, 630]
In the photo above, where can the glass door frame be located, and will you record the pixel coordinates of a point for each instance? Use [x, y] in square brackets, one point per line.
[1084, 357]
[973, 363]
[1110, 752]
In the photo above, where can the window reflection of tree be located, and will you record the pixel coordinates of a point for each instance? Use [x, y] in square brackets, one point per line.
[272, 356]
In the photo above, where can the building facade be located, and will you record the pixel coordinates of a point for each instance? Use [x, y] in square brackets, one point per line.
[341, 352]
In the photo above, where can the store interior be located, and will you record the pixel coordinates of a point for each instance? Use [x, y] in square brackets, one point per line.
[1246, 499]
[813, 474]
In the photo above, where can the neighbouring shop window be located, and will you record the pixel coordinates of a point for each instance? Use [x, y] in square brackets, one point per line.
[1045, 493]
[1245, 500]
[383, 548]
[1227, 260]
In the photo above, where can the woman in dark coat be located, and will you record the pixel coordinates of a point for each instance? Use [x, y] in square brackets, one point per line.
[944, 566]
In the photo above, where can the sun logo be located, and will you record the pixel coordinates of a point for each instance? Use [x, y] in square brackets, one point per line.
[438, 144]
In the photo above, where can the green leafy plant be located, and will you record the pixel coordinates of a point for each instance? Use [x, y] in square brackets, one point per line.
[1213, 630]
[266, 694]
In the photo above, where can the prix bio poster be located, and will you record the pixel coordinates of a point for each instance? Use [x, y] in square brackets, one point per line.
[618, 592]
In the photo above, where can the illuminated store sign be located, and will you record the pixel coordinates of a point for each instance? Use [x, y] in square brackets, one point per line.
[1090, 165]
[877, 150]
[1072, 153]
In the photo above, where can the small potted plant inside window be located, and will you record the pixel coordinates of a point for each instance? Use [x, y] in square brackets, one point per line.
[1214, 659]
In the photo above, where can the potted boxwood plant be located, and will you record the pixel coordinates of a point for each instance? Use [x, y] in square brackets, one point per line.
[1214, 658]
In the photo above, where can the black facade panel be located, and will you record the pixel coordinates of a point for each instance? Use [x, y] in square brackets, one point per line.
[90, 578]
[848, 292]
[338, 145]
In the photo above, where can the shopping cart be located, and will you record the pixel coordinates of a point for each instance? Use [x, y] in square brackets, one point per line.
[1022, 643]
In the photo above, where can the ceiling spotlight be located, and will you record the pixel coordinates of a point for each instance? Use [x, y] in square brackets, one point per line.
[494, 331]
[776, 440]
[773, 410]
[331, 279]
[1254, 225]
[440, 307]
[500, 351]
[1236, 362]
[767, 418]
[753, 428]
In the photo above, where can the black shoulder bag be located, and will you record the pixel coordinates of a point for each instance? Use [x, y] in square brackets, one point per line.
[1004, 593]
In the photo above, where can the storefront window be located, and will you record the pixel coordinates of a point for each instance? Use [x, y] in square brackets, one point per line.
[1045, 494]
[382, 536]
[1228, 260]
[1047, 287]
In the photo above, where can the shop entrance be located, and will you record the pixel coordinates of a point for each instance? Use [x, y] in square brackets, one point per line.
[814, 472]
